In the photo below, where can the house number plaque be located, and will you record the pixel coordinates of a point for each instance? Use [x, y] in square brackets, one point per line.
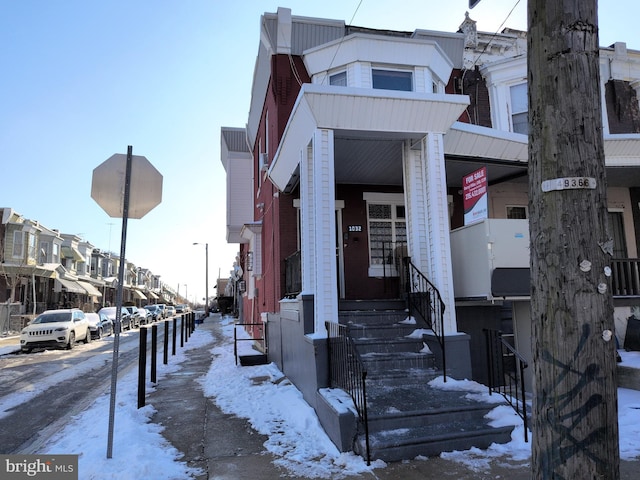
[569, 183]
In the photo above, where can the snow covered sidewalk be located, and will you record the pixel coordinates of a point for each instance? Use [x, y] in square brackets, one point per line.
[269, 428]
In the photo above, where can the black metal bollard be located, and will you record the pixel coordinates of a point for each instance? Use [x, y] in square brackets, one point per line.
[174, 333]
[165, 352]
[142, 367]
[154, 352]
[181, 331]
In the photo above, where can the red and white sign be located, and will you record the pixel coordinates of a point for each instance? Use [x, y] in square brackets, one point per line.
[474, 191]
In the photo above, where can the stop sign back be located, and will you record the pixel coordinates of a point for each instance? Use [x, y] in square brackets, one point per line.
[108, 182]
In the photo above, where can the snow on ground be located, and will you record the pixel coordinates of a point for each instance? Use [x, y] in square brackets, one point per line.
[275, 408]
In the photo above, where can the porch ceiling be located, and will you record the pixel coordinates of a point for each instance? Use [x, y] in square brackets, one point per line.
[377, 159]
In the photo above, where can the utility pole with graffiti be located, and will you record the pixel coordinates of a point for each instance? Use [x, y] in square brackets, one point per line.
[575, 424]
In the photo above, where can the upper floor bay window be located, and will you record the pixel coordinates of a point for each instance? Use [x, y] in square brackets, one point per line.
[338, 79]
[519, 108]
[392, 79]
[18, 244]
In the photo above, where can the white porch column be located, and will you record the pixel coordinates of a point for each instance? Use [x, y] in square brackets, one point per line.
[428, 218]
[317, 192]
[307, 216]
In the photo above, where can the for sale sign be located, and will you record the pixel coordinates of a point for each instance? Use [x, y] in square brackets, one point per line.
[474, 190]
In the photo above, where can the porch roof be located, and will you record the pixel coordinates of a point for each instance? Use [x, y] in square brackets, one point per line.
[355, 113]
[369, 127]
[70, 286]
[91, 290]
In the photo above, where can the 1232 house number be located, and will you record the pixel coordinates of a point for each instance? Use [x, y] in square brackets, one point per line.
[569, 183]
[354, 228]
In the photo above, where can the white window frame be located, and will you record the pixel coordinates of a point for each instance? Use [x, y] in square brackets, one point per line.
[17, 250]
[396, 70]
[513, 109]
[339, 73]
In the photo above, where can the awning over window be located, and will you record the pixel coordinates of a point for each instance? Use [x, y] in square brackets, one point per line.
[70, 252]
[152, 295]
[70, 286]
[91, 290]
[138, 294]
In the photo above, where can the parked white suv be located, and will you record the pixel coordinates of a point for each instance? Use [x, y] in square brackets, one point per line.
[55, 328]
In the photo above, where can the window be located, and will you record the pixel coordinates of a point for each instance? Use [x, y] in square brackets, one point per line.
[392, 80]
[519, 108]
[516, 212]
[31, 239]
[338, 79]
[18, 244]
[56, 253]
[45, 249]
[387, 233]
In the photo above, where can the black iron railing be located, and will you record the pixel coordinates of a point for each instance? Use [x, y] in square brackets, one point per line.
[625, 277]
[425, 305]
[257, 333]
[506, 373]
[347, 372]
[293, 275]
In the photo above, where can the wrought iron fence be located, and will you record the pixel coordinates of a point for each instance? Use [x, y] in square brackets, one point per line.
[625, 277]
[506, 373]
[347, 372]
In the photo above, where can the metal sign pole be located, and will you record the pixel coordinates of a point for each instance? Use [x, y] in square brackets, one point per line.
[118, 325]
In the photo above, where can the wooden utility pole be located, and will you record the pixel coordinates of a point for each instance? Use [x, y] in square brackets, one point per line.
[575, 420]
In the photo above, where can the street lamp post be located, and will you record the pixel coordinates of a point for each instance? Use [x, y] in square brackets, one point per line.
[206, 270]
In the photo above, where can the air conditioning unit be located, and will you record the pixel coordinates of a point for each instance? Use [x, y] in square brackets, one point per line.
[264, 162]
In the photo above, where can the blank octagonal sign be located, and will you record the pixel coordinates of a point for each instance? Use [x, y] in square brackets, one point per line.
[107, 186]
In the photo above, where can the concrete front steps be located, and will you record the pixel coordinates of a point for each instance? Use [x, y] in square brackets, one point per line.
[408, 417]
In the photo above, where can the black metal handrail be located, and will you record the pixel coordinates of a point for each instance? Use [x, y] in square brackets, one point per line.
[425, 303]
[506, 373]
[251, 338]
[347, 372]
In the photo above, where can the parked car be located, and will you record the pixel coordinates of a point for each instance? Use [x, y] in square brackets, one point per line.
[99, 324]
[170, 310]
[135, 315]
[155, 312]
[145, 316]
[182, 308]
[125, 317]
[161, 308]
[55, 328]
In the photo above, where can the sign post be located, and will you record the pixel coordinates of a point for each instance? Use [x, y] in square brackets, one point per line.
[111, 188]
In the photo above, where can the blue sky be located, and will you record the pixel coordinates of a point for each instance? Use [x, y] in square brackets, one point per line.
[81, 80]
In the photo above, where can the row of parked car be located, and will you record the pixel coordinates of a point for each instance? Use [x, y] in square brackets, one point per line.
[64, 327]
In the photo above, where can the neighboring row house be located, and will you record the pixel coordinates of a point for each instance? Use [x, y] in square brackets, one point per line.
[41, 269]
[357, 154]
